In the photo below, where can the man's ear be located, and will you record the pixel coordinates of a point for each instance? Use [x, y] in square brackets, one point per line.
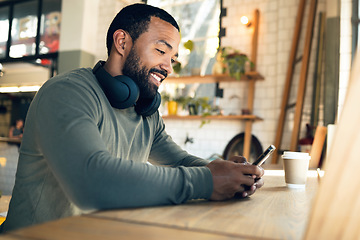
[121, 41]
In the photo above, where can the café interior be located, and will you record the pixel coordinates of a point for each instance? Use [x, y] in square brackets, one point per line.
[249, 74]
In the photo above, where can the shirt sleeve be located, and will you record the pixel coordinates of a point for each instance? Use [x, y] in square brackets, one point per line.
[166, 152]
[69, 138]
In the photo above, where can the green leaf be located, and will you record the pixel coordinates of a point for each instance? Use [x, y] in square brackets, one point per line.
[189, 45]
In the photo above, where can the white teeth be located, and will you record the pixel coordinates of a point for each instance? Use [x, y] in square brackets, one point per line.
[156, 77]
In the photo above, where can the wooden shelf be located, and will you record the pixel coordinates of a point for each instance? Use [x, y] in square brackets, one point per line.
[213, 78]
[220, 117]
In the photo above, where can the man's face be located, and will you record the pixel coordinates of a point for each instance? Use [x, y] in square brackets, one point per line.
[150, 59]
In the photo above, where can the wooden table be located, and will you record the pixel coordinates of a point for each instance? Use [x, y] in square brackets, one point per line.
[273, 212]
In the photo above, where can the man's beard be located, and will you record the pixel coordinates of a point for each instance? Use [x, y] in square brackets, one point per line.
[140, 75]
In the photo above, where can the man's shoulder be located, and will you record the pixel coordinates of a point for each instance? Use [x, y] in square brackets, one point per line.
[82, 74]
[81, 77]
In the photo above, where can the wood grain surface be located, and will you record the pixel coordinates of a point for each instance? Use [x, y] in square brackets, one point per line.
[273, 212]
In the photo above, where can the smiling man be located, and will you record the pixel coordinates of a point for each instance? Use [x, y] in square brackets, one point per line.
[90, 132]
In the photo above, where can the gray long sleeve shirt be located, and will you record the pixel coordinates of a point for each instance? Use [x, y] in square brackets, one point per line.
[78, 154]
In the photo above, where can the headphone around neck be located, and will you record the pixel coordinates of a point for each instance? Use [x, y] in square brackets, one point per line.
[122, 92]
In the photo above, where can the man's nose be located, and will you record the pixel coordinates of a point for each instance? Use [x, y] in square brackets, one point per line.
[167, 66]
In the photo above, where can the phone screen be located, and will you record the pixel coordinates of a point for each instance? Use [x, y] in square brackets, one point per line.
[265, 155]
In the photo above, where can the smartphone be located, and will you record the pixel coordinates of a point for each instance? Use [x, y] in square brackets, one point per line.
[261, 159]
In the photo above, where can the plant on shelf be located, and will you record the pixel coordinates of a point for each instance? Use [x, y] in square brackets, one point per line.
[235, 63]
[173, 102]
[200, 106]
[194, 105]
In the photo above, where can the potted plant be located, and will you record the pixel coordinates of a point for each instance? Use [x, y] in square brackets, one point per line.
[173, 102]
[194, 105]
[234, 62]
[199, 106]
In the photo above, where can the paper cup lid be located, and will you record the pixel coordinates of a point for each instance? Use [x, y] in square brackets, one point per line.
[296, 155]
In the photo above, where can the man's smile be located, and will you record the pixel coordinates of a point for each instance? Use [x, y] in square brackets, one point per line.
[157, 77]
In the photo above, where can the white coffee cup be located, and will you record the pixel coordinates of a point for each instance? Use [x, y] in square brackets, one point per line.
[296, 165]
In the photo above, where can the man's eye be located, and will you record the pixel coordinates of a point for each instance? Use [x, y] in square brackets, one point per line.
[160, 51]
[173, 61]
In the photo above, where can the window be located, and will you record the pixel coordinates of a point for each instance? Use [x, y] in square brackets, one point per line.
[199, 23]
[50, 26]
[24, 29]
[34, 27]
[4, 30]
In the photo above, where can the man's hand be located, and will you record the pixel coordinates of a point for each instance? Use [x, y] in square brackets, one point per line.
[235, 176]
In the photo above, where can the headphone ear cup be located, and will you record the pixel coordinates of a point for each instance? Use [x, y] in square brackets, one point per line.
[121, 91]
[149, 109]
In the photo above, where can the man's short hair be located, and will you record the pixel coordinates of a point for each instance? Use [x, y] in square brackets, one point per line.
[135, 20]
